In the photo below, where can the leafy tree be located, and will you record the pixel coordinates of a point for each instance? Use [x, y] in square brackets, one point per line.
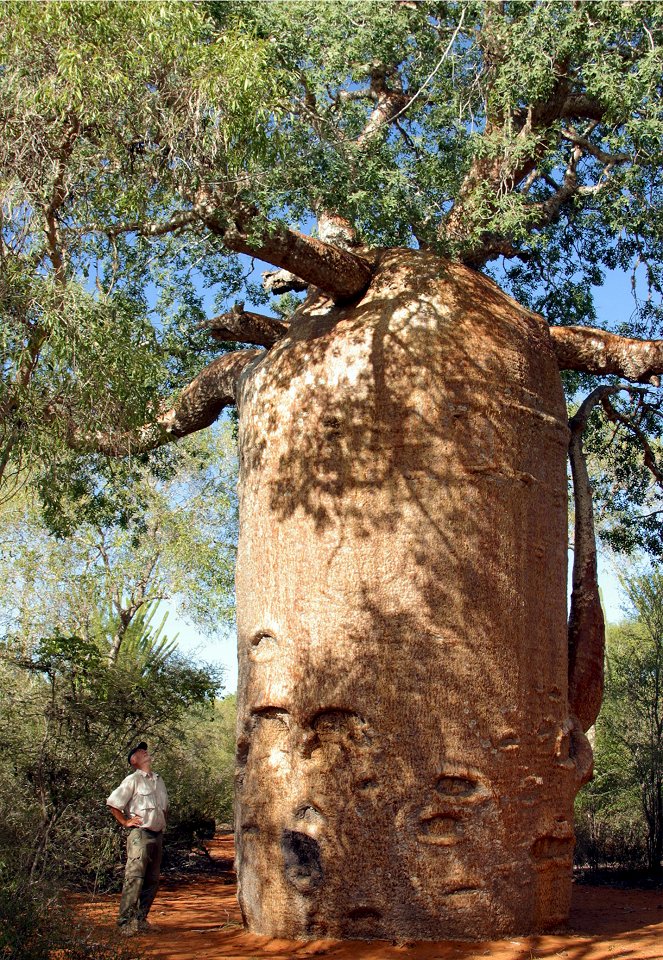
[629, 732]
[147, 146]
[177, 542]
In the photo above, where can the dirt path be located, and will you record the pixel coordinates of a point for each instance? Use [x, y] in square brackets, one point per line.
[199, 919]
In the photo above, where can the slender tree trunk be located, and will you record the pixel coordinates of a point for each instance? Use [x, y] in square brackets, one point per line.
[407, 762]
[586, 621]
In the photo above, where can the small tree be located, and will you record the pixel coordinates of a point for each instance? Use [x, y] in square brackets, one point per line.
[626, 797]
[173, 539]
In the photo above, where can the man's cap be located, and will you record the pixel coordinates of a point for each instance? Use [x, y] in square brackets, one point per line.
[139, 746]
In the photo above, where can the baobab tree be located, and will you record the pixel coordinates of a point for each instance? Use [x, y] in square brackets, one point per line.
[412, 700]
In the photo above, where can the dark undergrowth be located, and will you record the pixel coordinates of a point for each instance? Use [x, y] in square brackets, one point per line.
[636, 878]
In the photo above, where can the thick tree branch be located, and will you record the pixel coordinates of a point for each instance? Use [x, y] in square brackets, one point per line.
[582, 107]
[390, 102]
[282, 281]
[242, 326]
[341, 274]
[595, 351]
[586, 633]
[549, 210]
[198, 406]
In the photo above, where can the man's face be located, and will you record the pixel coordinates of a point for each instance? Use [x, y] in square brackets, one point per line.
[141, 759]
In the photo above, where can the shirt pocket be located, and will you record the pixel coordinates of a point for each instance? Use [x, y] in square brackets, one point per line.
[144, 800]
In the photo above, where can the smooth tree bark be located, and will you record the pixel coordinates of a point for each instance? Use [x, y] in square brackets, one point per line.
[407, 756]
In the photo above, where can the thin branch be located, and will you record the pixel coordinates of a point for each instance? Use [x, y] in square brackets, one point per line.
[143, 228]
[616, 416]
[437, 67]
[58, 197]
[608, 159]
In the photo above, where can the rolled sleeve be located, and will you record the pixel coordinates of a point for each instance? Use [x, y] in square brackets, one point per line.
[121, 796]
[163, 796]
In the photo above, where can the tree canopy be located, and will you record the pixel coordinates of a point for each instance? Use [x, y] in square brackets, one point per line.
[149, 148]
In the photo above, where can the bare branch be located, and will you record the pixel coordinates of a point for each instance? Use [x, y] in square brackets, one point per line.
[596, 351]
[242, 326]
[548, 210]
[494, 246]
[199, 405]
[57, 199]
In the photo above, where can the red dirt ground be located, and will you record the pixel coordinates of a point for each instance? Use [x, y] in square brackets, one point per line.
[199, 919]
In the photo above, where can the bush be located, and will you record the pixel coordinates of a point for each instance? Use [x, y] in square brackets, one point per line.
[66, 718]
[608, 838]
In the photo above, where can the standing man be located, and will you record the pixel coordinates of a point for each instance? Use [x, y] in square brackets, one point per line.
[141, 804]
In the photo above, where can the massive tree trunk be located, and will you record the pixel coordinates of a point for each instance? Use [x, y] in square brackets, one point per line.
[407, 761]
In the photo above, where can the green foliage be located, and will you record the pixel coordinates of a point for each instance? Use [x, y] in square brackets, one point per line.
[119, 117]
[175, 538]
[621, 810]
[199, 769]
[110, 113]
[65, 721]
[623, 448]
[145, 645]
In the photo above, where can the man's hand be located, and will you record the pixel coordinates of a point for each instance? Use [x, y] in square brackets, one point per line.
[124, 821]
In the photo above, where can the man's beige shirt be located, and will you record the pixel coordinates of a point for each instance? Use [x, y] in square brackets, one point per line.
[142, 794]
